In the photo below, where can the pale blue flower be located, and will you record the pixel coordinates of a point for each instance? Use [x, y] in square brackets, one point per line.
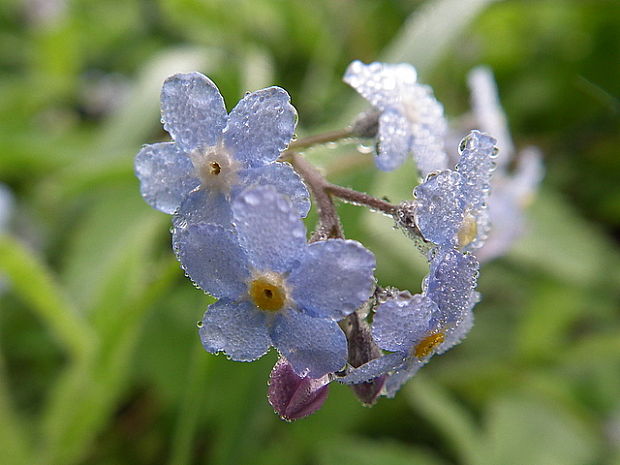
[512, 190]
[415, 327]
[215, 155]
[274, 287]
[411, 120]
[450, 205]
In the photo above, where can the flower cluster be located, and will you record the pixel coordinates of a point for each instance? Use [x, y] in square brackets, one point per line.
[238, 192]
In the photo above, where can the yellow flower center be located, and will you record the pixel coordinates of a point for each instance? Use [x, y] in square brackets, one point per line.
[215, 168]
[468, 230]
[267, 293]
[428, 344]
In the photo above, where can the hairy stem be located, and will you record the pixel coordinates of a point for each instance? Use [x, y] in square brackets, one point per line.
[329, 226]
[323, 138]
[360, 198]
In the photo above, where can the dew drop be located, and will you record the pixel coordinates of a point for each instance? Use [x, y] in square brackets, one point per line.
[199, 324]
[362, 148]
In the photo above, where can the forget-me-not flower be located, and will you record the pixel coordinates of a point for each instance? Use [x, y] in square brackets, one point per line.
[215, 155]
[410, 120]
[512, 190]
[274, 287]
[415, 327]
[450, 206]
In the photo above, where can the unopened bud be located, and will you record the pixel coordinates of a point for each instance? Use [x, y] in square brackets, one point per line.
[292, 396]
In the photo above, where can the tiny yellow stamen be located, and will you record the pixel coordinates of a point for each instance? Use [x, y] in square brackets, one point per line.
[426, 345]
[266, 294]
[468, 230]
[215, 168]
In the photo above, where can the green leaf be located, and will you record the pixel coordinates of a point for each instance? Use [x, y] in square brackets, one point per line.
[430, 32]
[566, 246]
[37, 286]
[362, 451]
[527, 430]
[456, 424]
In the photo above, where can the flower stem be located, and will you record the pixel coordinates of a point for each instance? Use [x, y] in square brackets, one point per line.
[323, 138]
[360, 198]
[329, 226]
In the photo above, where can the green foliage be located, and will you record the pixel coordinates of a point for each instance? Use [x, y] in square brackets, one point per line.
[100, 362]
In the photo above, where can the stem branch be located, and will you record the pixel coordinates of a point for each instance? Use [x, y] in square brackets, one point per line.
[323, 138]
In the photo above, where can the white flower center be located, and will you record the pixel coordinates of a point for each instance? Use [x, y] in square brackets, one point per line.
[215, 167]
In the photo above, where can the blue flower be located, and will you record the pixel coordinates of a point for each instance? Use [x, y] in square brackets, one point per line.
[512, 190]
[415, 327]
[274, 287]
[215, 155]
[450, 206]
[411, 119]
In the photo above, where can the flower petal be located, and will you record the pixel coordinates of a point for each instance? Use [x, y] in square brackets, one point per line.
[394, 140]
[374, 368]
[400, 321]
[440, 207]
[428, 130]
[270, 231]
[166, 176]
[202, 206]
[451, 282]
[286, 181]
[488, 112]
[261, 126]
[237, 328]
[313, 346]
[334, 278]
[212, 258]
[383, 85]
[396, 381]
[192, 110]
[476, 164]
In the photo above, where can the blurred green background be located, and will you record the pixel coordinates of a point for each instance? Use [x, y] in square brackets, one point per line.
[100, 360]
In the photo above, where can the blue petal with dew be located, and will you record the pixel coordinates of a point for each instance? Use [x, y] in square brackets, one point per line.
[166, 175]
[334, 278]
[192, 110]
[236, 328]
[261, 126]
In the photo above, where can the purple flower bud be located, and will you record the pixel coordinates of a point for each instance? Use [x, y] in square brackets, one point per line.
[292, 396]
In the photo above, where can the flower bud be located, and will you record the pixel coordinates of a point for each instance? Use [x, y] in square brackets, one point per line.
[292, 396]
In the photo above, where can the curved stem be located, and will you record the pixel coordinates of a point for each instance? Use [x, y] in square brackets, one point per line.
[329, 226]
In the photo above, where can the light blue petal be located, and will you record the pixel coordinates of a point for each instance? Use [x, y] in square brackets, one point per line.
[313, 346]
[440, 207]
[237, 328]
[212, 258]
[270, 231]
[457, 333]
[286, 181]
[476, 164]
[428, 130]
[383, 85]
[202, 206]
[334, 278]
[401, 321]
[396, 381]
[374, 368]
[394, 140]
[166, 176]
[261, 126]
[192, 110]
[451, 282]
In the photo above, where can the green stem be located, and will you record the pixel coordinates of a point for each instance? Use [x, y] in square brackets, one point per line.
[323, 138]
